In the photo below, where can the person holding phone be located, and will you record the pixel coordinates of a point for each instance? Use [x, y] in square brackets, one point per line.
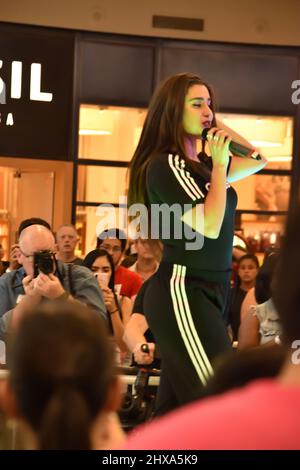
[118, 309]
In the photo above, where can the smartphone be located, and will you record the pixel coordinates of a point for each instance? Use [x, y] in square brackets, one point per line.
[103, 279]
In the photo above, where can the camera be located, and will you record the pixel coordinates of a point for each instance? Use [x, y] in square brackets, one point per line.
[139, 401]
[43, 261]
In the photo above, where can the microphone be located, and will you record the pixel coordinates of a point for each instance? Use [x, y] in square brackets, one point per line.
[237, 149]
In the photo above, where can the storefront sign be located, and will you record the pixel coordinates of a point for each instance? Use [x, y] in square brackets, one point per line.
[36, 89]
[16, 87]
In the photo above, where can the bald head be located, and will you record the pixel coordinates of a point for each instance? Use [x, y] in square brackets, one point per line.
[37, 237]
[34, 238]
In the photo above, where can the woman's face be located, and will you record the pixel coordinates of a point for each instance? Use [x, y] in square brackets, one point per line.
[197, 114]
[101, 265]
[102, 270]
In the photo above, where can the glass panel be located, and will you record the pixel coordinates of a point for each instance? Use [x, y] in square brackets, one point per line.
[272, 135]
[112, 133]
[259, 233]
[101, 183]
[263, 192]
[93, 220]
[109, 133]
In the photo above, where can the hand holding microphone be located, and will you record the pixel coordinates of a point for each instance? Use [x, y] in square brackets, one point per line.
[235, 148]
[218, 141]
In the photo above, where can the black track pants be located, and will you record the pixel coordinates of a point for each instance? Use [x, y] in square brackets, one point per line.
[185, 314]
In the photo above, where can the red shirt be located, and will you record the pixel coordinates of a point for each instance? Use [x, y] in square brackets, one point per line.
[262, 415]
[129, 281]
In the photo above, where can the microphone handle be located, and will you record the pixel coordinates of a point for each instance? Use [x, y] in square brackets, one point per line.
[237, 149]
[242, 151]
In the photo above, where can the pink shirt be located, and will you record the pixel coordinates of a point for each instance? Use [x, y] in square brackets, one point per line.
[262, 415]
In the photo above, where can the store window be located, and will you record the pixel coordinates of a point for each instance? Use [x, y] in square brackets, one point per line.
[108, 136]
[103, 184]
[109, 133]
[263, 199]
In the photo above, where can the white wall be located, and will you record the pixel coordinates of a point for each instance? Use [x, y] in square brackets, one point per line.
[245, 21]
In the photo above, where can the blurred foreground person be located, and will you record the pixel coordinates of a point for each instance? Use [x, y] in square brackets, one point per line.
[62, 385]
[263, 415]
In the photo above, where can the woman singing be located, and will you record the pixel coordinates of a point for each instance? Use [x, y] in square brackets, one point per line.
[185, 299]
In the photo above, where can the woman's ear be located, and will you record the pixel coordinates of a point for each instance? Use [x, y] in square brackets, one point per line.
[114, 395]
[8, 401]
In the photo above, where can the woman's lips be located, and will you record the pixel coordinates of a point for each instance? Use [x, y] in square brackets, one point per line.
[206, 124]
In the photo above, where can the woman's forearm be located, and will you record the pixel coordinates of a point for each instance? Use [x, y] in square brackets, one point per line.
[215, 202]
[134, 331]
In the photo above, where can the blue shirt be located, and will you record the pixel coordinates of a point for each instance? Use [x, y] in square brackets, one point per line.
[85, 288]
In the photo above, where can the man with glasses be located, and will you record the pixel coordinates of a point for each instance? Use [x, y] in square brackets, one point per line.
[114, 241]
[24, 288]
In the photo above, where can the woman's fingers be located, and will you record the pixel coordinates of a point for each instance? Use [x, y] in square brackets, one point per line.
[218, 137]
[218, 141]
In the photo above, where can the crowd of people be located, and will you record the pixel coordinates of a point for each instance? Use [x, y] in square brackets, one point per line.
[227, 353]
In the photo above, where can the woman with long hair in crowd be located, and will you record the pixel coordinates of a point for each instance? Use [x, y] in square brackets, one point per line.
[118, 309]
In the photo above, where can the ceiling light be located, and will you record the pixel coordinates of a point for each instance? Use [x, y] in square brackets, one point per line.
[93, 132]
[96, 121]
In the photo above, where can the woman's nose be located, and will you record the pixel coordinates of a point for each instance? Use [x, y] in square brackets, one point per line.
[207, 111]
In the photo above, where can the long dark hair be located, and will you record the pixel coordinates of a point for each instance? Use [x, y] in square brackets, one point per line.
[163, 130]
[88, 262]
[62, 369]
[286, 284]
[91, 258]
[264, 278]
[236, 369]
